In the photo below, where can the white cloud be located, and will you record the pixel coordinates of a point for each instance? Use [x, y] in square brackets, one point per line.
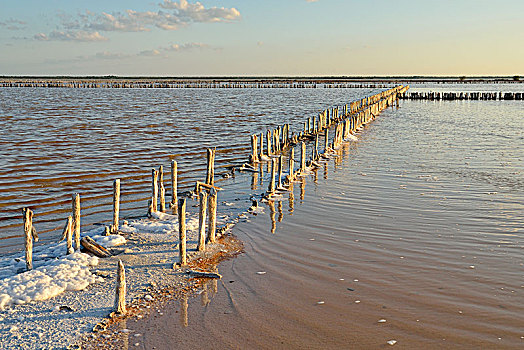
[186, 47]
[70, 36]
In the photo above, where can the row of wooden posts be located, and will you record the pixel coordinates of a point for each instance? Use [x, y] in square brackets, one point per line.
[110, 84]
[350, 118]
[450, 96]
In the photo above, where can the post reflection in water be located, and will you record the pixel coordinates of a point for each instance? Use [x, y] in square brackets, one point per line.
[254, 180]
[183, 311]
[303, 186]
[280, 212]
[325, 171]
[272, 213]
[124, 335]
[315, 176]
[291, 199]
[261, 175]
[204, 296]
[214, 288]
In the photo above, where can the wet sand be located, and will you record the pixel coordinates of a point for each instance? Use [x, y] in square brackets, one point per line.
[419, 239]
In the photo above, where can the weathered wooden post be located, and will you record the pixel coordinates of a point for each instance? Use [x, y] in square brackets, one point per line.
[67, 234]
[161, 189]
[174, 185]
[280, 169]
[210, 178]
[254, 151]
[154, 189]
[261, 145]
[202, 221]
[30, 233]
[116, 205]
[120, 295]
[315, 151]
[182, 231]
[271, 187]
[291, 165]
[76, 220]
[326, 136]
[212, 209]
[268, 141]
[303, 158]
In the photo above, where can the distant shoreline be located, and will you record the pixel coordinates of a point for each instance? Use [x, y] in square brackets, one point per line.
[275, 79]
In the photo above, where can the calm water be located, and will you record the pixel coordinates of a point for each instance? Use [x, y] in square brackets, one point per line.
[56, 142]
[419, 223]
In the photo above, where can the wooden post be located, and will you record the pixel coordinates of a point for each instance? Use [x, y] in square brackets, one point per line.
[210, 179]
[268, 139]
[182, 230]
[315, 151]
[254, 149]
[76, 220]
[116, 205]
[292, 165]
[154, 188]
[326, 136]
[28, 230]
[67, 234]
[162, 189]
[261, 145]
[280, 168]
[120, 295]
[212, 209]
[303, 158]
[202, 221]
[174, 185]
[271, 187]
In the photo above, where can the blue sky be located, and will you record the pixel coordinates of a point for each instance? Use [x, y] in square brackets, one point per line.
[261, 37]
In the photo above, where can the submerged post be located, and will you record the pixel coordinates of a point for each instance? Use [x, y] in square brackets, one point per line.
[212, 209]
[202, 221]
[182, 230]
[120, 294]
[174, 185]
[28, 231]
[116, 205]
[76, 220]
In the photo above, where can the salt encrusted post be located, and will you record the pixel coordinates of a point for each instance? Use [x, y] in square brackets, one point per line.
[303, 158]
[116, 205]
[76, 220]
[67, 235]
[174, 185]
[268, 141]
[210, 179]
[271, 187]
[212, 209]
[120, 294]
[154, 190]
[202, 221]
[28, 230]
[162, 189]
[182, 230]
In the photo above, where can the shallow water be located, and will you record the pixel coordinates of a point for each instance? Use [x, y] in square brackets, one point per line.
[56, 142]
[418, 223]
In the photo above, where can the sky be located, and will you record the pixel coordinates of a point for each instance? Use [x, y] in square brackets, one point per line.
[262, 37]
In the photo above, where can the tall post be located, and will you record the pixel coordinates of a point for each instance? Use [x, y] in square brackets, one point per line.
[174, 185]
[303, 158]
[280, 169]
[271, 187]
[120, 294]
[212, 209]
[202, 221]
[162, 189]
[326, 136]
[182, 230]
[261, 145]
[76, 220]
[28, 228]
[116, 205]
[268, 139]
[154, 189]
[292, 165]
[210, 179]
